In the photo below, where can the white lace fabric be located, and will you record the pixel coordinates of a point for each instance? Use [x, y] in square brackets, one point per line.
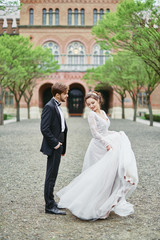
[107, 178]
[98, 130]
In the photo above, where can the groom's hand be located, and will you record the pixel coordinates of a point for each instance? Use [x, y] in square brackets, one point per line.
[59, 144]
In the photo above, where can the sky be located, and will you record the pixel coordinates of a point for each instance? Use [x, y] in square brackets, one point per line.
[157, 1]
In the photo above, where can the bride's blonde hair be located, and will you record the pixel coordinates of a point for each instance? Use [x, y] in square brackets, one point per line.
[95, 95]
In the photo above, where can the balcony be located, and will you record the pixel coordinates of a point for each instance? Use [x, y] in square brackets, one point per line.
[76, 67]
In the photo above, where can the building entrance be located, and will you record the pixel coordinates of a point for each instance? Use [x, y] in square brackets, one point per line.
[75, 101]
[47, 95]
[44, 94]
[107, 94]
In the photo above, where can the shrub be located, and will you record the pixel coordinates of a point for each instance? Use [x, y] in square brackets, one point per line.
[156, 117]
[7, 116]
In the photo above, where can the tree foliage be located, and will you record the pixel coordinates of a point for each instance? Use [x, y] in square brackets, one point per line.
[134, 26]
[126, 72]
[9, 6]
[21, 64]
[123, 72]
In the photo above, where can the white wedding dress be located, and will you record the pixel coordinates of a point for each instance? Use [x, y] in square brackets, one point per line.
[107, 177]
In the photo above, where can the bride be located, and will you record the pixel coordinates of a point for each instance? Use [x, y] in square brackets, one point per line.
[109, 172]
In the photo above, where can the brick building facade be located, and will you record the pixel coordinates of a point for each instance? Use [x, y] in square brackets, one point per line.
[65, 27]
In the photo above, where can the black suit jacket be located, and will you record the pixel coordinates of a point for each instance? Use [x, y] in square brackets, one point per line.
[51, 128]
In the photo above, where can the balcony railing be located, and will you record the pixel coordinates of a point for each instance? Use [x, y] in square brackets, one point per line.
[76, 67]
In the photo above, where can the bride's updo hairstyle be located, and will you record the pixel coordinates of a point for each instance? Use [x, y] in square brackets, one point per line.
[95, 95]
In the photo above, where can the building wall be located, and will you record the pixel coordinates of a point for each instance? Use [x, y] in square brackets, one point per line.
[63, 35]
[63, 6]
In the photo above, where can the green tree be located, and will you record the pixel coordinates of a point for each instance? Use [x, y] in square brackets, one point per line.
[21, 64]
[9, 6]
[5, 8]
[134, 27]
[108, 75]
[123, 73]
[2, 74]
[152, 80]
[28, 94]
[133, 75]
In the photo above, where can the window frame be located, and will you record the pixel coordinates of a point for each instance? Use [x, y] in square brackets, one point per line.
[31, 16]
[44, 16]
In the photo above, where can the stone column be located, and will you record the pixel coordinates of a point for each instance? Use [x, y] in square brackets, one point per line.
[1, 25]
[9, 25]
[18, 23]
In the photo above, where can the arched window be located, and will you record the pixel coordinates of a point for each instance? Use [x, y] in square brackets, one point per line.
[50, 16]
[82, 16]
[54, 49]
[8, 98]
[76, 17]
[57, 16]
[11, 99]
[44, 17]
[101, 13]
[31, 16]
[142, 99]
[76, 53]
[107, 10]
[94, 16]
[99, 56]
[70, 16]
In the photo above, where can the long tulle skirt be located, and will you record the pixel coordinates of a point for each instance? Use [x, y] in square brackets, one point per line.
[104, 186]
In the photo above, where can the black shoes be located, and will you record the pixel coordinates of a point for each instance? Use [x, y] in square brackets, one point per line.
[55, 204]
[55, 210]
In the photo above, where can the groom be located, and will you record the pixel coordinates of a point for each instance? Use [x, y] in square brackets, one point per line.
[54, 131]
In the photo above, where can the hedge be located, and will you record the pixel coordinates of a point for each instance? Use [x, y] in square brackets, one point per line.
[156, 118]
[7, 116]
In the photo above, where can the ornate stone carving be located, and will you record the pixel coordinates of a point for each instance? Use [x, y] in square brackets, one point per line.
[69, 1]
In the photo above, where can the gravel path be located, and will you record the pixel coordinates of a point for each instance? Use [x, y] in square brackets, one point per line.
[22, 178]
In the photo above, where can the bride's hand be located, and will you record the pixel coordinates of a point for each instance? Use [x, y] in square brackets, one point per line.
[109, 147]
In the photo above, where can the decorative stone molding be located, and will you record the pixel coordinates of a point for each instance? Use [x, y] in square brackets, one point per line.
[1, 25]
[70, 1]
[17, 21]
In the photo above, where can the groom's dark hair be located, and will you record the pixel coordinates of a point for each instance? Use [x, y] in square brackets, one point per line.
[58, 88]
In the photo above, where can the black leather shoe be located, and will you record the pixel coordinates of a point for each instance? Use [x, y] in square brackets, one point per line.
[55, 210]
[56, 205]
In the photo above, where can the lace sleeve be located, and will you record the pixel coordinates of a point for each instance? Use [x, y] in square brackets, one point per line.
[94, 130]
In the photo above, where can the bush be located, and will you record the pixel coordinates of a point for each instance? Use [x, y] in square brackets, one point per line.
[4, 116]
[156, 118]
[7, 116]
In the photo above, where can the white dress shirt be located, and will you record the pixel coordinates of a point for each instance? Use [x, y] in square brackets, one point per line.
[62, 116]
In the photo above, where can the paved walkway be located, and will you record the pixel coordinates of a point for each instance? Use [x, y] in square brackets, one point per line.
[22, 178]
[139, 120]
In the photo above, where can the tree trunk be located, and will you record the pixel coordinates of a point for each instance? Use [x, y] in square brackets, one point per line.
[28, 108]
[1, 106]
[18, 111]
[150, 110]
[122, 101]
[135, 110]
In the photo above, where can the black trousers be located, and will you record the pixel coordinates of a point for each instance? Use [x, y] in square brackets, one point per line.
[53, 162]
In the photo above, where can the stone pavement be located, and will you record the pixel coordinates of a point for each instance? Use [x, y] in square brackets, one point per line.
[22, 177]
